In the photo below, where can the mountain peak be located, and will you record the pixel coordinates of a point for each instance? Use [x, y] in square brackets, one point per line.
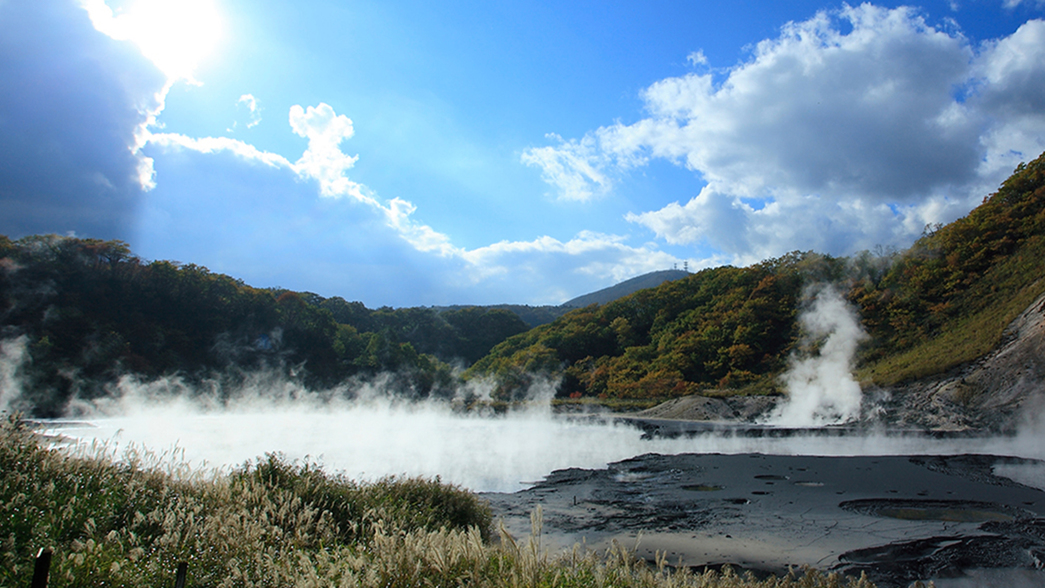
[650, 280]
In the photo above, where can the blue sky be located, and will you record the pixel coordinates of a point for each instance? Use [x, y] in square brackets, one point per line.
[410, 153]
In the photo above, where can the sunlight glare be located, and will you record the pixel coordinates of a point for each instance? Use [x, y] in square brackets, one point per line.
[176, 35]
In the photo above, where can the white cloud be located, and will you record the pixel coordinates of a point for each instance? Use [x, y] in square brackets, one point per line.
[323, 160]
[697, 58]
[850, 129]
[573, 167]
[552, 270]
[589, 257]
[422, 237]
[1010, 91]
[544, 270]
[73, 105]
[176, 35]
[244, 151]
[253, 109]
[1012, 4]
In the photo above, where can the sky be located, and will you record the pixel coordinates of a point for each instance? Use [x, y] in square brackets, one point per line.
[409, 153]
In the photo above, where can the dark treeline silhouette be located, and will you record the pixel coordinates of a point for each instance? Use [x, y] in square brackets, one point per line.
[90, 311]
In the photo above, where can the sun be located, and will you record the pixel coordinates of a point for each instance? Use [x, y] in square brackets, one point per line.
[176, 35]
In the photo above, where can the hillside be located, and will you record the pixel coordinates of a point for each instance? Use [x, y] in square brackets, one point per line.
[535, 316]
[650, 280]
[78, 314]
[945, 301]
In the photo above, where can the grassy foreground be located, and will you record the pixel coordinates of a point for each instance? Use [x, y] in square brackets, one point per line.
[128, 522]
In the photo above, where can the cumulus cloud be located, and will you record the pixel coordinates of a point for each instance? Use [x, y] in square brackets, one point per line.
[81, 151]
[1010, 92]
[323, 160]
[575, 168]
[853, 128]
[70, 123]
[174, 34]
[588, 258]
[549, 269]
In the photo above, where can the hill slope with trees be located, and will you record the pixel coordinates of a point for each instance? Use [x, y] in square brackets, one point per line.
[81, 313]
[607, 295]
[78, 314]
[944, 301]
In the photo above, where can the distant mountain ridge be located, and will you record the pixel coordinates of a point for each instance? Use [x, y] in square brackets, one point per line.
[607, 295]
[535, 316]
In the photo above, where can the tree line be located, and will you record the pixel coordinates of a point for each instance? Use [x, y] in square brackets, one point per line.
[731, 329]
[91, 311]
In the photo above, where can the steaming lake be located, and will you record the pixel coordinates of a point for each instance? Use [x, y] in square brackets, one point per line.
[500, 454]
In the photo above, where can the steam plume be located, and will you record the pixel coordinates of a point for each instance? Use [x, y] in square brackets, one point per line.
[821, 389]
[12, 354]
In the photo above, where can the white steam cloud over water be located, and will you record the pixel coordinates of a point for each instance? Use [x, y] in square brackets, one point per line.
[821, 389]
[376, 437]
[12, 355]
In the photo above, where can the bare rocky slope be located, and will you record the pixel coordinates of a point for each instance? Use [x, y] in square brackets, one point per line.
[1003, 391]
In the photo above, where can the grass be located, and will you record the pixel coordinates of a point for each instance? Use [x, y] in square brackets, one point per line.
[130, 521]
[1011, 287]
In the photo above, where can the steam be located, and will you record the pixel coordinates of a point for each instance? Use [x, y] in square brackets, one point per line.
[366, 433]
[821, 389]
[12, 356]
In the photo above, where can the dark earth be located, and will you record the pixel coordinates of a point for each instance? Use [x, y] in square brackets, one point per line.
[897, 519]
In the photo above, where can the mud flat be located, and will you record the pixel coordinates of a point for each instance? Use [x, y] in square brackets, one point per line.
[897, 518]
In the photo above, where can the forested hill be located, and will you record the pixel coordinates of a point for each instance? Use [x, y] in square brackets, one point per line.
[650, 280]
[76, 314]
[82, 312]
[535, 316]
[944, 301]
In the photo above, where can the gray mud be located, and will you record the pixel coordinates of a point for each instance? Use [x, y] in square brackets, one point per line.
[898, 519]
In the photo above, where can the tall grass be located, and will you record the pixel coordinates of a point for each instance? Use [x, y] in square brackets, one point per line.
[129, 521]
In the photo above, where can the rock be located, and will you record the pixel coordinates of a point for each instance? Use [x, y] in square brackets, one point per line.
[712, 409]
[1000, 392]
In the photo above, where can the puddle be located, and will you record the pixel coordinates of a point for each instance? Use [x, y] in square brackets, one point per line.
[702, 487]
[951, 515]
[931, 510]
